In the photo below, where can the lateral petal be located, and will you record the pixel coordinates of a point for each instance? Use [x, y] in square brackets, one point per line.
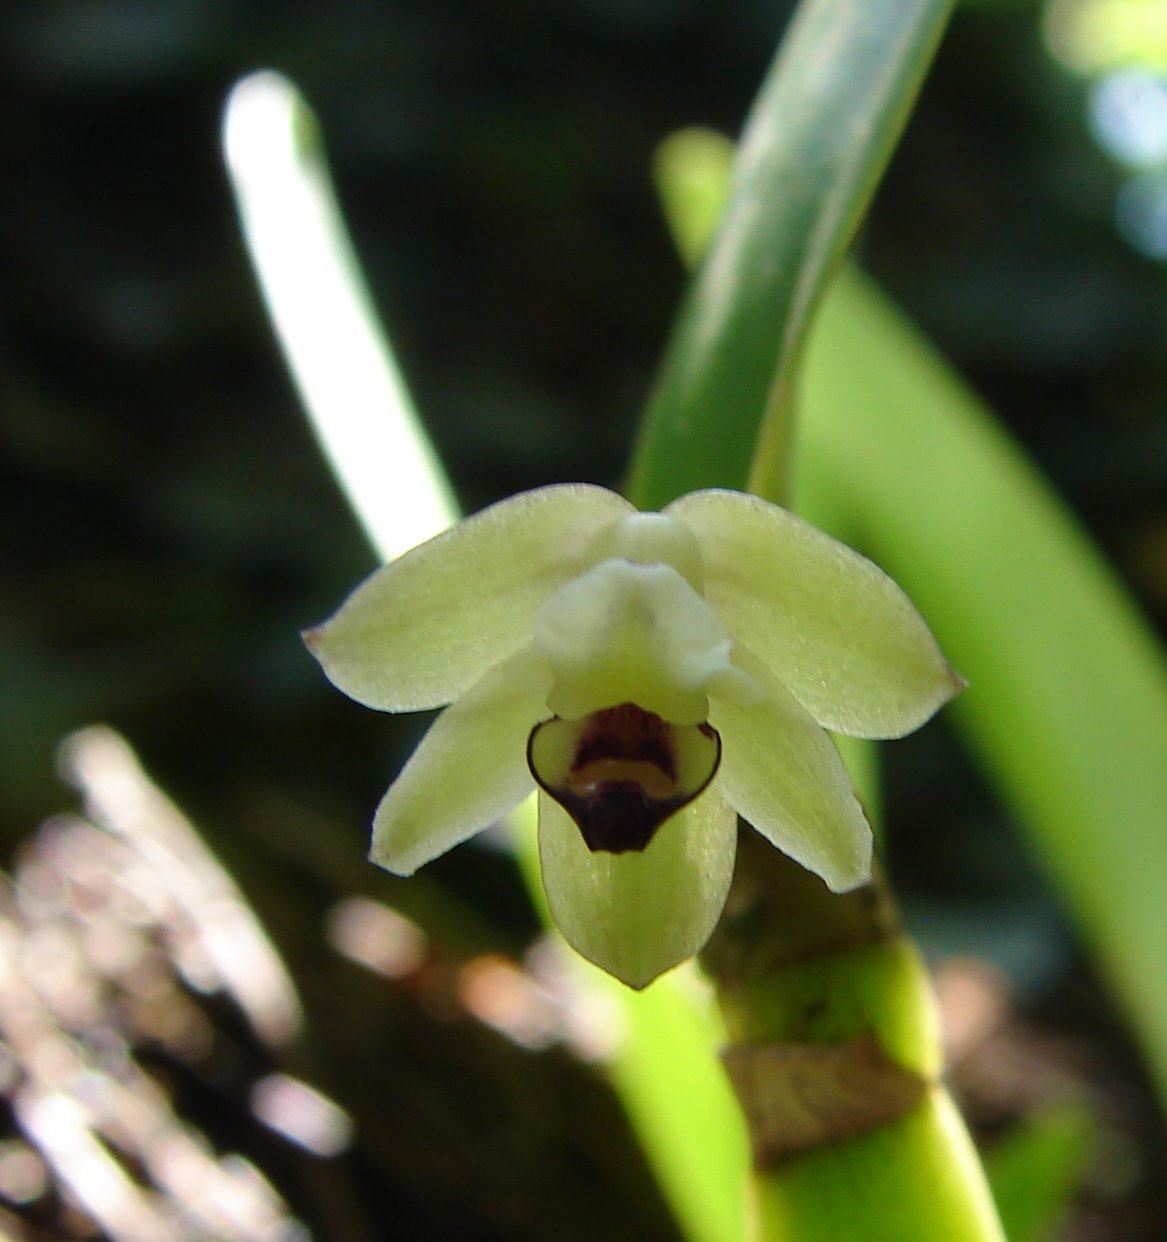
[831, 625]
[469, 770]
[782, 773]
[421, 630]
[637, 914]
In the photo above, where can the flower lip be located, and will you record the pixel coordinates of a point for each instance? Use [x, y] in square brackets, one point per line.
[620, 773]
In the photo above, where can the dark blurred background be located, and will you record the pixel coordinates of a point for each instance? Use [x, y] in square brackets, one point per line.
[170, 527]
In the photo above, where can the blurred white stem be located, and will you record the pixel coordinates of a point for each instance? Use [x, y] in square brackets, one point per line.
[323, 315]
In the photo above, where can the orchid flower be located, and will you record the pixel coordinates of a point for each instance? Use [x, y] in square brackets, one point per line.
[655, 675]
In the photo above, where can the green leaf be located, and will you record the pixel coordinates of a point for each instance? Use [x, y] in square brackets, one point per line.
[1067, 706]
[816, 143]
[1035, 1170]
[680, 1103]
[692, 171]
[324, 318]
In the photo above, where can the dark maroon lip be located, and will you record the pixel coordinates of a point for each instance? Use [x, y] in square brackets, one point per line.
[622, 783]
[628, 733]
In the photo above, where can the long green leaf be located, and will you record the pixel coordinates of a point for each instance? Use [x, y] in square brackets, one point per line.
[816, 143]
[1035, 1171]
[1067, 706]
[324, 318]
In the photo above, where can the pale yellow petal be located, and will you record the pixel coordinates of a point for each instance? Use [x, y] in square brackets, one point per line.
[622, 773]
[421, 630]
[469, 770]
[782, 774]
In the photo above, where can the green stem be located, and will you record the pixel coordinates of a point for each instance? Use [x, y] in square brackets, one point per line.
[834, 1050]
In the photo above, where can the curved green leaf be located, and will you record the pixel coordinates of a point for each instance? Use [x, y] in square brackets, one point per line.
[1035, 1170]
[1067, 706]
[817, 141]
[323, 315]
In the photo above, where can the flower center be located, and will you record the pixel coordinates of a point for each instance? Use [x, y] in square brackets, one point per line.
[621, 772]
[625, 633]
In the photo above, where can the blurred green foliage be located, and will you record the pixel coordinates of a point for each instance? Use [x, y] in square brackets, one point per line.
[1035, 1171]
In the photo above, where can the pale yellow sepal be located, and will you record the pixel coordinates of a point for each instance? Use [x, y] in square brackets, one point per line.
[782, 773]
[831, 626]
[469, 770]
[423, 629]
